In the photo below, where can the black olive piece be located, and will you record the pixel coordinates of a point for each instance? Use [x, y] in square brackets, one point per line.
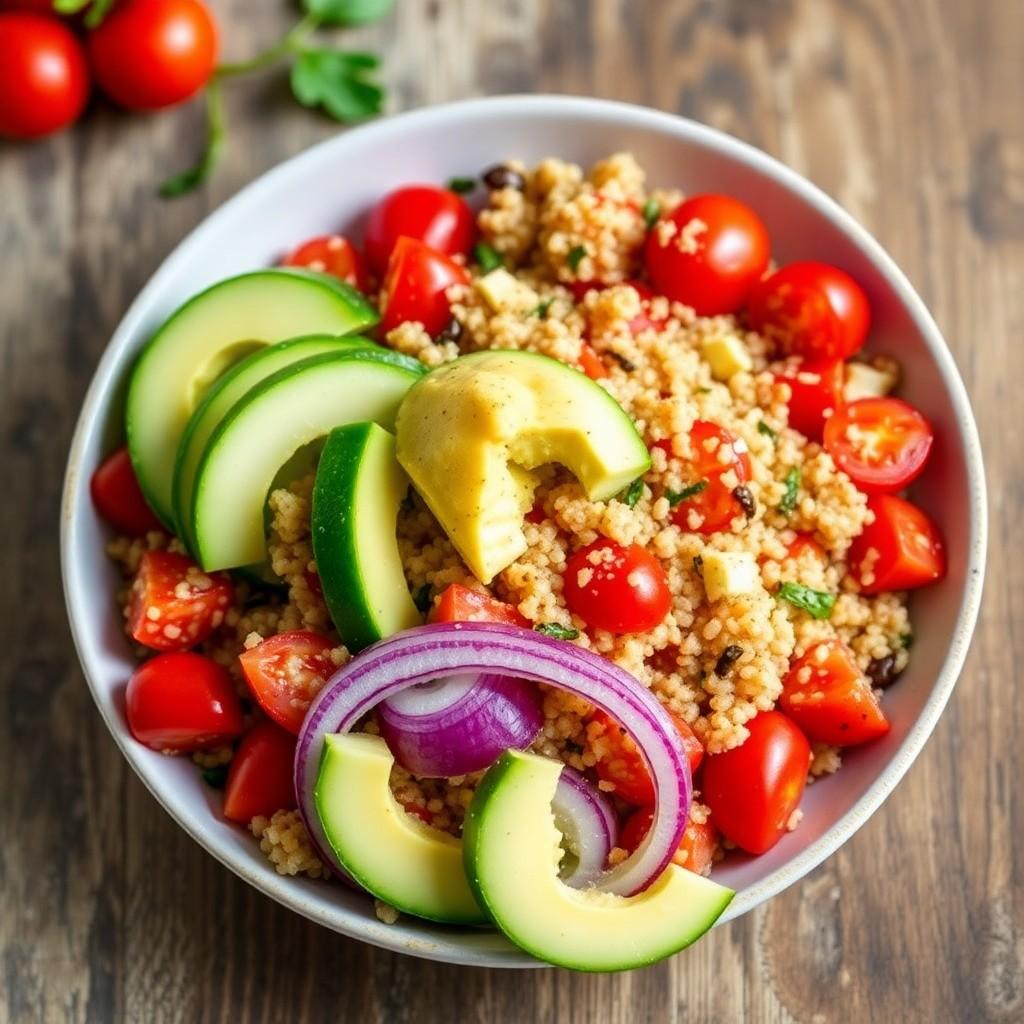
[627, 364]
[452, 332]
[727, 658]
[501, 176]
[883, 672]
[746, 499]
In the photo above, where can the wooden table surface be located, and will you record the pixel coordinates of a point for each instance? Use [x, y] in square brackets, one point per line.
[910, 113]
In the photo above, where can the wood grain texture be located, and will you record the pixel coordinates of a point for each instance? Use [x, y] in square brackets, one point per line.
[910, 113]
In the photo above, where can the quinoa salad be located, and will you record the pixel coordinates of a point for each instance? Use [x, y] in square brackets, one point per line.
[626, 486]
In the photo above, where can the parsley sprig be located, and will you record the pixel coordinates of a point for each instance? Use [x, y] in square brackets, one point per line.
[817, 603]
[690, 491]
[556, 630]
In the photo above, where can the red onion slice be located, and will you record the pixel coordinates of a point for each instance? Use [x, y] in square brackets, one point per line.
[459, 724]
[587, 821]
[443, 649]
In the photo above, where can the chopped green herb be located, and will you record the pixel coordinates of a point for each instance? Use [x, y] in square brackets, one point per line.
[541, 309]
[763, 428]
[792, 482]
[906, 641]
[575, 257]
[817, 603]
[652, 211]
[488, 257]
[553, 629]
[422, 599]
[691, 491]
[703, 391]
[632, 494]
[460, 186]
[216, 776]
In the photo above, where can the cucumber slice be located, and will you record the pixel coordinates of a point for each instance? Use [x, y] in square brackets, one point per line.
[272, 421]
[359, 487]
[205, 336]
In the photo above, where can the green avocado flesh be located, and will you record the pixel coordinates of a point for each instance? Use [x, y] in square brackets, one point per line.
[472, 431]
[229, 389]
[272, 421]
[359, 487]
[510, 845]
[393, 855]
[207, 335]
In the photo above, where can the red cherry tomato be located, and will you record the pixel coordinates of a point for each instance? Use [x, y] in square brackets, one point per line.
[174, 604]
[804, 542]
[461, 604]
[39, 6]
[591, 363]
[182, 702]
[816, 391]
[415, 286]
[118, 499]
[828, 696]
[620, 762]
[881, 444]
[696, 850]
[260, 777]
[331, 254]
[900, 550]
[148, 54]
[623, 590]
[811, 309]
[437, 217]
[753, 789]
[643, 321]
[708, 253]
[44, 77]
[285, 672]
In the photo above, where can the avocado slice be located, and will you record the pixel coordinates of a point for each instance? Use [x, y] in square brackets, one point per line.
[359, 487]
[391, 854]
[471, 432]
[289, 409]
[205, 336]
[510, 845]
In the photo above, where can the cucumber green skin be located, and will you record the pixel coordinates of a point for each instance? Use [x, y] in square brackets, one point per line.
[349, 491]
[412, 366]
[363, 315]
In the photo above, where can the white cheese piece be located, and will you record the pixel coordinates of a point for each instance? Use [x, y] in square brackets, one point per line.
[505, 293]
[864, 381]
[730, 573]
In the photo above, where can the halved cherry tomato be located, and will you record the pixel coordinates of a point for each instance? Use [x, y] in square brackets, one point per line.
[623, 590]
[437, 217]
[285, 672]
[881, 444]
[816, 391]
[753, 789]
[460, 604]
[182, 702]
[708, 253]
[591, 363]
[720, 464]
[696, 849]
[415, 286]
[174, 604]
[118, 498]
[623, 766]
[334, 255]
[900, 550]
[260, 777]
[811, 309]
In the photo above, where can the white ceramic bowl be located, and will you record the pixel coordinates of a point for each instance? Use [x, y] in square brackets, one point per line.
[330, 187]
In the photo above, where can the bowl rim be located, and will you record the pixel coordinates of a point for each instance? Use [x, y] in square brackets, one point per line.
[284, 889]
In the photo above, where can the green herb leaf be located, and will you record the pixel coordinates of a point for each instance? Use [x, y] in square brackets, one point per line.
[557, 631]
[792, 482]
[422, 599]
[703, 391]
[633, 493]
[541, 309]
[460, 186]
[187, 180]
[69, 6]
[675, 497]
[763, 428]
[216, 776]
[906, 641]
[817, 603]
[576, 255]
[652, 211]
[347, 12]
[98, 10]
[337, 82]
[488, 257]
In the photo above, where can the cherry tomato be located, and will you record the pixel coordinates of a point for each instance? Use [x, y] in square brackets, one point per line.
[623, 590]
[148, 54]
[805, 543]
[591, 363]
[622, 765]
[828, 696]
[811, 309]
[331, 254]
[719, 465]
[696, 849]
[260, 777]
[39, 6]
[285, 672]
[118, 498]
[753, 789]
[717, 251]
[182, 702]
[460, 604]
[643, 321]
[900, 550]
[437, 217]
[816, 391]
[415, 286]
[174, 604]
[44, 77]
[881, 444]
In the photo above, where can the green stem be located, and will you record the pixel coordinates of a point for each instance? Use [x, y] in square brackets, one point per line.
[215, 134]
[291, 42]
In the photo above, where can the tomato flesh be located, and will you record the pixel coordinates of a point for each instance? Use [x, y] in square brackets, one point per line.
[591, 363]
[417, 280]
[461, 604]
[182, 701]
[696, 849]
[285, 672]
[816, 392]
[118, 498]
[174, 604]
[334, 255]
[260, 779]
